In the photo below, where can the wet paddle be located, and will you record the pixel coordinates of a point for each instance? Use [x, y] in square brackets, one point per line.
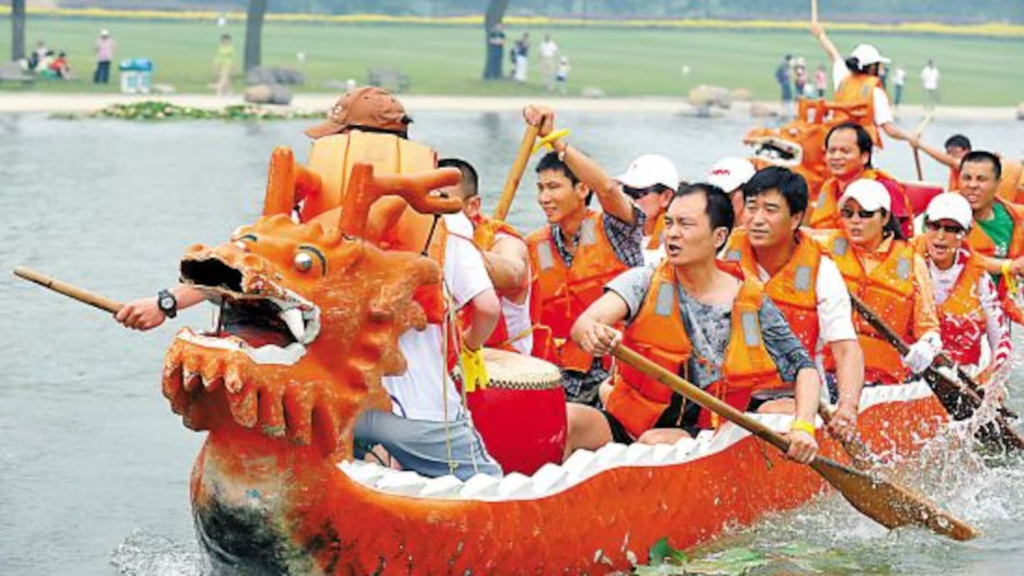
[883, 501]
[959, 400]
[508, 193]
[69, 290]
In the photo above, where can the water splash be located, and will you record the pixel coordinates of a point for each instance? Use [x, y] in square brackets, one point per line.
[146, 554]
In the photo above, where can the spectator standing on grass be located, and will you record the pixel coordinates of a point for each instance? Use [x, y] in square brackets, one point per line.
[104, 55]
[521, 57]
[820, 80]
[800, 77]
[930, 83]
[899, 80]
[562, 75]
[548, 51]
[782, 76]
[223, 62]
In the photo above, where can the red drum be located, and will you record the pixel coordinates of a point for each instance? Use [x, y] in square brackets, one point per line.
[920, 194]
[521, 413]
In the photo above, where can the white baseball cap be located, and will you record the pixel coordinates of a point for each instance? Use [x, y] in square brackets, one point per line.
[870, 194]
[104, 32]
[731, 173]
[950, 206]
[867, 55]
[649, 170]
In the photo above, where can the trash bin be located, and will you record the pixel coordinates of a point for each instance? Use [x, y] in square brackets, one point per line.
[136, 75]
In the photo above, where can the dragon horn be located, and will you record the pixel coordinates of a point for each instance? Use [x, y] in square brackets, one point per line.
[280, 197]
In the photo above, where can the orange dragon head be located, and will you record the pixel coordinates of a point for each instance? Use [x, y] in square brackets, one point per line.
[309, 313]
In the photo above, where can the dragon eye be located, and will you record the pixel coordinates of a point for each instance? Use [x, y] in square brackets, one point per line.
[303, 262]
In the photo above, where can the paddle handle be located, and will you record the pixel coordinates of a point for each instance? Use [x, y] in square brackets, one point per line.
[858, 452]
[814, 11]
[69, 290]
[699, 396]
[917, 165]
[508, 193]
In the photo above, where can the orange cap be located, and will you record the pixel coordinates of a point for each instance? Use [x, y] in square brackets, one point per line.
[365, 107]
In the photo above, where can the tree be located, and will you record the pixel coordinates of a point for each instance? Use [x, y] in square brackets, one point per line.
[17, 29]
[494, 55]
[254, 33]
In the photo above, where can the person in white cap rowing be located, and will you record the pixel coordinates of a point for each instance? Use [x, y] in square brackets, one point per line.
[650, 181]
[856, 80]
[885, 272]
[965, 297]
[730, 174]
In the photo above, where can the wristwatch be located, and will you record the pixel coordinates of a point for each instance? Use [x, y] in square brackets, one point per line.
[167, 303]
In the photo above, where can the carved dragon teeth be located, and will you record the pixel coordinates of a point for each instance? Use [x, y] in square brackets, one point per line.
[212, 372]
[271, 412]
[244, 405]
[298, 410]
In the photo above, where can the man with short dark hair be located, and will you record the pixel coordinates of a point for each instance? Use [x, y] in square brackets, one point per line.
[804, 283]
[693, 317]
[576, 252]
[957, 146]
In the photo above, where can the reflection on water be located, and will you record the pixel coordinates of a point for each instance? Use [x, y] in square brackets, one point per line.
[94, 468]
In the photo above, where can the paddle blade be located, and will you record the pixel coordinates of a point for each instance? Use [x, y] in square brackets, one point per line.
[891, 505]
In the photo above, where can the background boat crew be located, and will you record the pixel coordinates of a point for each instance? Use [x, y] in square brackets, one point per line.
[1011, 179]
[884, 271]
[576, 252]
[965, 296]
[366, 108]
[997, 235]
[804, 283]
[507, 260]
[848, 158]
[856, 81]
[708, 325]
[730, 174]
[651, 181]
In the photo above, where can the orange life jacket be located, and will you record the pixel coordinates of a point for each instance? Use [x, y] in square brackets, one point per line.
[561, 293]
[792, 289]
[659, 229]
[485, 231]
[658, 332]
[826, 212]
[889, 291]
[858, 89]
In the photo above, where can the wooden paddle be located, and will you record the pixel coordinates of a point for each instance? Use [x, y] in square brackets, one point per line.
[917, 153]
[69, 290]
[508, 193]
[959, 400]
[883, 501]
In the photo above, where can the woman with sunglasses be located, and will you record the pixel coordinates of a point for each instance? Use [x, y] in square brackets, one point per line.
[883, 270]
[965, 296]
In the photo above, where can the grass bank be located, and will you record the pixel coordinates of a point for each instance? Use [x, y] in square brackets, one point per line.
[448, 60]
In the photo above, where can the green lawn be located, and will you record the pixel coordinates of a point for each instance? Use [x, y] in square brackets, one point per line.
[449, 60]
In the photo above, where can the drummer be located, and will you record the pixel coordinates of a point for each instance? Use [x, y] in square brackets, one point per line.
[848, 158]
[883, 270]
[801, 281]
[506, 258]
[576, 252]
[715, 328]
[966, 298]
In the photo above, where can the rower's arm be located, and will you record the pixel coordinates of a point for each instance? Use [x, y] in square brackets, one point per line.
[826, 44]
[939, 156]
[486, 312]
[507, 266]
[609, 192]
[593, 329]
[808, 394]
[895, 132]
[849, 373]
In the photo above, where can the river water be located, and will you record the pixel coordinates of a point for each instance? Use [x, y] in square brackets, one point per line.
[94, 467]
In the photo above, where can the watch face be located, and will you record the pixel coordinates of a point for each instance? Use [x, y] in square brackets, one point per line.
[166, 303]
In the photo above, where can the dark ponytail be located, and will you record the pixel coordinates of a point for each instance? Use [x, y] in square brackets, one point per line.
[892, 227]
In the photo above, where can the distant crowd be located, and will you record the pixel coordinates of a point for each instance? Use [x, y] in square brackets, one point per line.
[554, 66]
[45, 62]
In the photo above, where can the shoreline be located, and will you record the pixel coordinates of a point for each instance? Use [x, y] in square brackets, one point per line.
[43, 102]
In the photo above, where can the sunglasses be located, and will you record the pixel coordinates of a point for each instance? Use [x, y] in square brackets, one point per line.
[864, 214]
[638, 193]
[947, 228]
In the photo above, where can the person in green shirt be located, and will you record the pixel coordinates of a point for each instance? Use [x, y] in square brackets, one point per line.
[223, 63]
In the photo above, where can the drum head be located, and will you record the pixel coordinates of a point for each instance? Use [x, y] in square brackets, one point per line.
[520, 372]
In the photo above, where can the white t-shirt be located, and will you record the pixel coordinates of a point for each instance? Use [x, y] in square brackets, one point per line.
[517, 316]
[835, 313]
[653, 257]
[425, 389]
[899, 77]
[548, 49]
[930, 78]
[883, 111]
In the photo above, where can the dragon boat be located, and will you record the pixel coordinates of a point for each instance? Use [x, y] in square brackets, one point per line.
[311, 308]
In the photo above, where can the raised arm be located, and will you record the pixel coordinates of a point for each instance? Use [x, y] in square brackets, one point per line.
[818, 31]
[937, 154]
[609, 192]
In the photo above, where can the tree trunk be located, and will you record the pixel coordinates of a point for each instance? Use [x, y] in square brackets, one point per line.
[17, 29]
[494, 56]
[254, 33]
